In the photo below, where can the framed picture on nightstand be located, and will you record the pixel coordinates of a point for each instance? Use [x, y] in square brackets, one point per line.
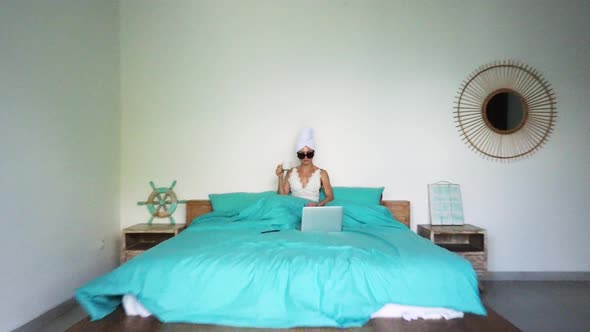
[446, 204]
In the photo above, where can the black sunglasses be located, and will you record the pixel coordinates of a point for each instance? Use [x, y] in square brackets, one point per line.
[302, 155]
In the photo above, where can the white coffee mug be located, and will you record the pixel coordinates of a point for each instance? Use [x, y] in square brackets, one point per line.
[287, 165]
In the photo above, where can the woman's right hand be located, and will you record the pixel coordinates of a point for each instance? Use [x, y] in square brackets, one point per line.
[279, 170]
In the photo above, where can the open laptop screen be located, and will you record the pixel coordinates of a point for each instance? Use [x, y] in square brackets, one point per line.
[322, 219]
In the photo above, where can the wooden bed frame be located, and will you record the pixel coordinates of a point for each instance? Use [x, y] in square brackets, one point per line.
[399, 209]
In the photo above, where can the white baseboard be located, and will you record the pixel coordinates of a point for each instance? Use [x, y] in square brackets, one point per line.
[536, 276]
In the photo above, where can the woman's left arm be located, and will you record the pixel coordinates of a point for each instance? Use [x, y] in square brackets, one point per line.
[327, 188]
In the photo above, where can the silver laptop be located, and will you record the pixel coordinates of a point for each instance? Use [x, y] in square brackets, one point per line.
[322, 219]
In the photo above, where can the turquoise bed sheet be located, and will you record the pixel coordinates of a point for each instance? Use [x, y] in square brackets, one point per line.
[223, 270]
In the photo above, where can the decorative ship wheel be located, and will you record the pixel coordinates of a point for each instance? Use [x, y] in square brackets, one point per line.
[162, 202]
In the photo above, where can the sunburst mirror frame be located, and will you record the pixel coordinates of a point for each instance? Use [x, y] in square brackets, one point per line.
[538, 106]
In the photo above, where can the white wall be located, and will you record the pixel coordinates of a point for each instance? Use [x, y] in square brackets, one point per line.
[214, 92]
[59, 143]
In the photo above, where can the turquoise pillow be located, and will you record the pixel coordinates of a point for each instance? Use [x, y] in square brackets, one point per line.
[237, 201]
[359, 195]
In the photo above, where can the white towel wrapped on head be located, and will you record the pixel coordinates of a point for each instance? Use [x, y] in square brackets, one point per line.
[306, 138]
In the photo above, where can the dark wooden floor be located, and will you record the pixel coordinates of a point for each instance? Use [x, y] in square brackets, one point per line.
[119, 322]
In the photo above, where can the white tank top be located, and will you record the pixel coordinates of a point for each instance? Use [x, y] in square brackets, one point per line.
[311, 191]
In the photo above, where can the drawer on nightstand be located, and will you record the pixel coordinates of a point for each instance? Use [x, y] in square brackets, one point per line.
[465, 240]
[144, 241]
[142, 237]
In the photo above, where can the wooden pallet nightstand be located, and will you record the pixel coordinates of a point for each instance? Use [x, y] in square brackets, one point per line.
[466, 240]
[141, 237]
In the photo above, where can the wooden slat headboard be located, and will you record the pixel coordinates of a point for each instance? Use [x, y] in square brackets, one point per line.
[399, 209]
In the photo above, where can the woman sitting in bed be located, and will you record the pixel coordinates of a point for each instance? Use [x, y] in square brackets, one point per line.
[307, 179]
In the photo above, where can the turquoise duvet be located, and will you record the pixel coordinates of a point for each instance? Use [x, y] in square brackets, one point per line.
[223, 270]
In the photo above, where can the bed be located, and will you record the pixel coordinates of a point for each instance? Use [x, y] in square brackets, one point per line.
[222, 270]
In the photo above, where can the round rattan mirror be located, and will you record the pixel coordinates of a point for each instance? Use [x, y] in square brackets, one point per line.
[505, 110]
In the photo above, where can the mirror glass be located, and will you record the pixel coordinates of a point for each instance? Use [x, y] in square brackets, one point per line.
[505, 111]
